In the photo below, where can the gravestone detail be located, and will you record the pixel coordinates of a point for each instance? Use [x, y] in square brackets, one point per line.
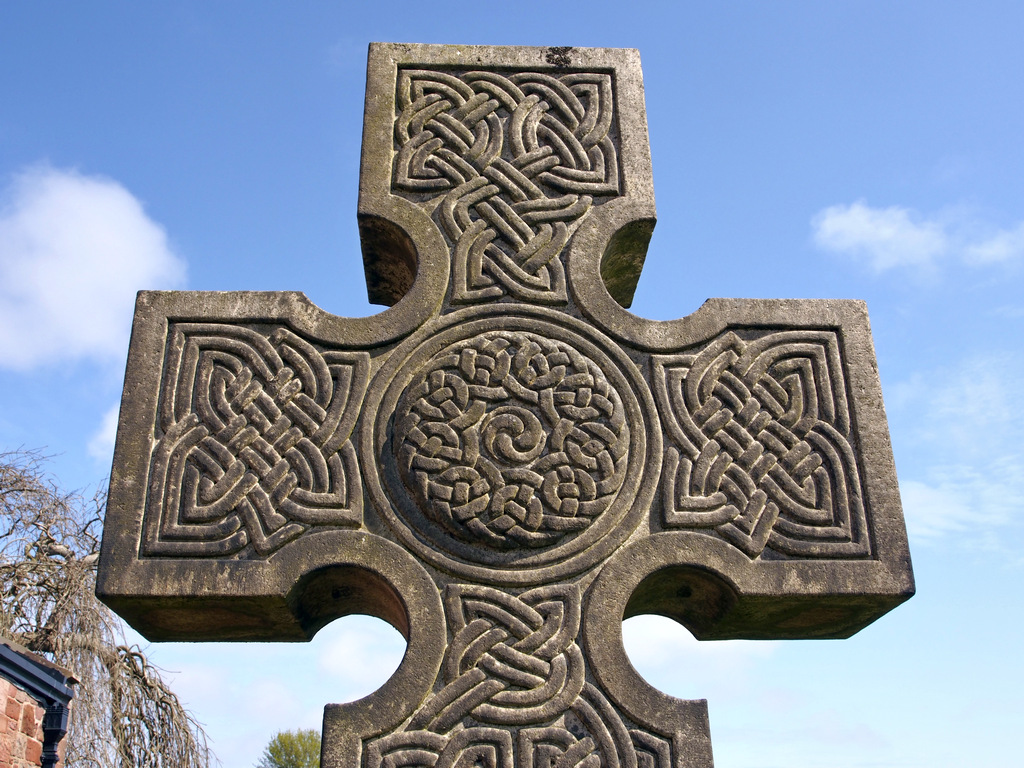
[505, 463]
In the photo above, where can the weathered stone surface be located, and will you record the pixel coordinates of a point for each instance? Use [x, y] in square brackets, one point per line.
[506, 462]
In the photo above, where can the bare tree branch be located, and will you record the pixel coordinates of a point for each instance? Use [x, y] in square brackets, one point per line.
[123, 714]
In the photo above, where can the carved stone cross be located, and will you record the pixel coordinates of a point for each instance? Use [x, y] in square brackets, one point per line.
[505, 463]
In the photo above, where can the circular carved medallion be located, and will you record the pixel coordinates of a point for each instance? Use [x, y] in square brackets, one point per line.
[510, 449]
[511, 439]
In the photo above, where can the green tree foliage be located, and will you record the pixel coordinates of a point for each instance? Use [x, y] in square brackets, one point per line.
[292, 749]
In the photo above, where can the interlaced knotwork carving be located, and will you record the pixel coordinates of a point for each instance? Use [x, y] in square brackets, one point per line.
[762, 448]
[512, 440]
[651, 751]
[514, 693]
[516, 160]
[476, 747]
[511, 661]
[255, 443]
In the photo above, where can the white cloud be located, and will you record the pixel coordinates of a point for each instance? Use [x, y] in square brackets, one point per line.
[933, 510]
[885, 237]
[245, 692]
[1003, 246]
[895, 237]
[962, 464]
[979, 505]
[359, 655]
[101, 445]
[74, 250]
[675, 662]
[241, 708]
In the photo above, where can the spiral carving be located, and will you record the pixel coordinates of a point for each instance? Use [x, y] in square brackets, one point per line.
[511, 439]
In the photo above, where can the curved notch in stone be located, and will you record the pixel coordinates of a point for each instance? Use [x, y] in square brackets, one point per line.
[390, 260]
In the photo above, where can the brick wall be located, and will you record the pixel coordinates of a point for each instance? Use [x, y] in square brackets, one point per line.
[35, 695]
[21, 728]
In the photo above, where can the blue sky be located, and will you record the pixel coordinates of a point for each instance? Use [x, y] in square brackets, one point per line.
[847, 149]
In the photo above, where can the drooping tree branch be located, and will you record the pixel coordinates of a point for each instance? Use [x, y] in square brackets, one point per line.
[124, 714]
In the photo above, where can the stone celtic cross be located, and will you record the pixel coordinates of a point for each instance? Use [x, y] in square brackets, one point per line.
[505, 463]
